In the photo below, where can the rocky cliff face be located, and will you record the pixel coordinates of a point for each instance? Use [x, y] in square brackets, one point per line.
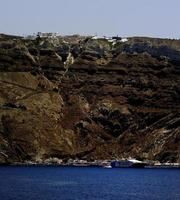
[78, 97]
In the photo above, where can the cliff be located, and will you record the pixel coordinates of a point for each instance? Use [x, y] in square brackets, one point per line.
[89, 98]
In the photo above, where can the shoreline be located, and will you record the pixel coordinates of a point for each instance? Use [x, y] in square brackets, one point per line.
[159, 166]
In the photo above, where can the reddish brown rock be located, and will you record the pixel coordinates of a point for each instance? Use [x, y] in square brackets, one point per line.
[112, 102]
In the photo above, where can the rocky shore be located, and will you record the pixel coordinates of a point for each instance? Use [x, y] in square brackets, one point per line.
[84, 163]
[89, 98]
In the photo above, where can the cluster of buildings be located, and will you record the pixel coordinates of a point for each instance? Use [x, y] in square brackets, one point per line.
[45, 35]
[112, 40]
[53, 35]
[42, 35]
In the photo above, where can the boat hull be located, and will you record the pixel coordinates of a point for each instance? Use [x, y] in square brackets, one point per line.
[127, 164]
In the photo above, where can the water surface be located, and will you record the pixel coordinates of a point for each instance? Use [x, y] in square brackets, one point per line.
[76, 183]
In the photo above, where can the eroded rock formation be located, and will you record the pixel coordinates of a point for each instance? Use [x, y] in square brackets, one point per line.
[113, 100]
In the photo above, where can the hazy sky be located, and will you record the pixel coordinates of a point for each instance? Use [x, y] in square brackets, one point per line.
[157, 18]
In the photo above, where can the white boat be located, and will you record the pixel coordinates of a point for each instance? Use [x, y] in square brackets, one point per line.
[107, 166]
[128, 163]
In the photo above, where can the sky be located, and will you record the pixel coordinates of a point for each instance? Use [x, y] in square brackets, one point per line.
[153, 18]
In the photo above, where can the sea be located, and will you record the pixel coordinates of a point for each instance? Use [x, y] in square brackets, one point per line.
[88, 183]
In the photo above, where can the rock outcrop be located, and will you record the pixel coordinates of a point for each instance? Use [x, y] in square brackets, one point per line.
[78, 97]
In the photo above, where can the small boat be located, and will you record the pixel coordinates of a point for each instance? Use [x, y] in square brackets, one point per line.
[107, 166]
[130, 163]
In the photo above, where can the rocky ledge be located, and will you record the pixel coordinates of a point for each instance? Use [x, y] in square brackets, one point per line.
[89, 98]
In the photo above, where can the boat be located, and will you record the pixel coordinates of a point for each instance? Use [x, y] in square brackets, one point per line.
[129, 163]
[107, 166]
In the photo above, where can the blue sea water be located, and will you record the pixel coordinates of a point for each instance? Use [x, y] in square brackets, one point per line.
[77, 183]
